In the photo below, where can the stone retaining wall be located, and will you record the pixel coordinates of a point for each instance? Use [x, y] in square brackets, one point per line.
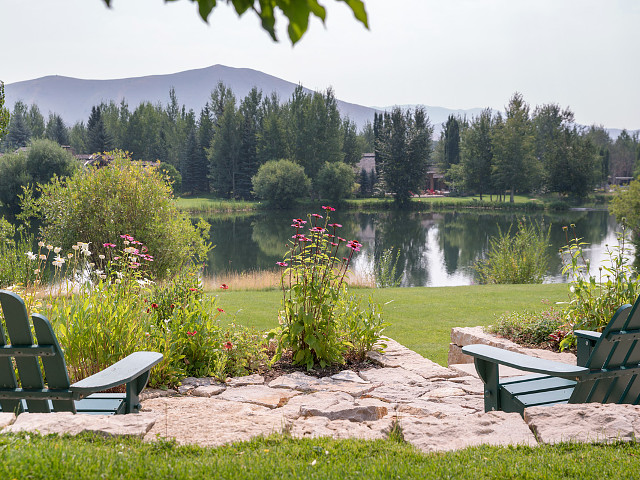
[462, 336]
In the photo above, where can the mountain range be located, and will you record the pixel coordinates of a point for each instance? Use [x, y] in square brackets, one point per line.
[72, 98]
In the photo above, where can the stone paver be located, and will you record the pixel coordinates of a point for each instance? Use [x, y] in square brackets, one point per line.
[66, 422]
[431, 434]
[588, 422]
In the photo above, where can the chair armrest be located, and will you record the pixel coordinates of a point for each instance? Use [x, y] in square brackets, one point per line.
[120, 373]
[524, 362]
[585, 342]
[587, 334]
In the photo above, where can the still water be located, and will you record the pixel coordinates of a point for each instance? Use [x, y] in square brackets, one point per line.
[436, 249]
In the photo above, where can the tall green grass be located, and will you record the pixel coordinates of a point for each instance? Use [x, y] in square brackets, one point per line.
[280, 457]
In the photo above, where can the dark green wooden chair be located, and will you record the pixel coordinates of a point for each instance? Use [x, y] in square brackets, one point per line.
[607, 372]
[28, 392]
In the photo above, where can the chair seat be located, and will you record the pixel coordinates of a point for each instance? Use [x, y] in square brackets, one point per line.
[519, 393]
[95, 404]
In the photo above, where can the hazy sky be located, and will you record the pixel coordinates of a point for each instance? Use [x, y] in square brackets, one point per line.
[584, 54]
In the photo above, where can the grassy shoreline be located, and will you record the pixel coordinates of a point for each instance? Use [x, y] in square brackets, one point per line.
[208, 204]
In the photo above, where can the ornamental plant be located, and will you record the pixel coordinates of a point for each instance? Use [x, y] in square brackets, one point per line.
[314, 291]
[594, 298]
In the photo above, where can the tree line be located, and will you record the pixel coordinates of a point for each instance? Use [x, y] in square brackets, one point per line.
[218, 151]
[540, 150]
[221, 149]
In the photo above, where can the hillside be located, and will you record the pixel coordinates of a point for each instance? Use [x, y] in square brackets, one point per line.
[72, 98]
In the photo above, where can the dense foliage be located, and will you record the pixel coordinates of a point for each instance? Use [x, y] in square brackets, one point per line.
[521, 257]
[99, 205]
[281, 182]
[43, 160]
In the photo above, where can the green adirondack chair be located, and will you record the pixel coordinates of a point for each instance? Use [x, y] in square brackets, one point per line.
[28, 392]
[607, 372]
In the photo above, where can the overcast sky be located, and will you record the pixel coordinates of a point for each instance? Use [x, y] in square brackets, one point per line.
[584, 54]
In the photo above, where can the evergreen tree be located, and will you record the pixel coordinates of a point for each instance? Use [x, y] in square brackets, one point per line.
[451, 143]
[190, 163]
[19, 133]
[205, 137]
[35, 120]
[224, 153]
[98, 140]
[251, 124]
[78, 138]
[351, 144]
[56, 130]
[272, 138]
[477, 153]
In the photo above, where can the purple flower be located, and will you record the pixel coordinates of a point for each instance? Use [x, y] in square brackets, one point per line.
[282, 264]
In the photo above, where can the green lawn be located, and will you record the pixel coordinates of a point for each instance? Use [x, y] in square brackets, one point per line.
[421, 318]
[208, 204]
[279, 457]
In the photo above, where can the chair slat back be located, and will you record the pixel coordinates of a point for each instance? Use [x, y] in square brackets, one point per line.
[55, 369]
[19, 333]
[7, 375]
[615, 350]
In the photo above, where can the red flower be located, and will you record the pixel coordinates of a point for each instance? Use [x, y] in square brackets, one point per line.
[108, 245]
[330, 209]
[224, 286]
[317, 229]
[354, 245]
[221, 310]
[282, 264]
[317, 216]
[154, 305]
[227, 346]
[191, 334]
[172, 306]
[193, 289]
[335, 225]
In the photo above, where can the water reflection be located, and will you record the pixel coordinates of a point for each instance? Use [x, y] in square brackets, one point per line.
[436, 249]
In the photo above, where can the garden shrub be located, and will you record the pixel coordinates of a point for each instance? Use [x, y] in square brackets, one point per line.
[527, 328]
[98, 205]
[281, 182]
[320, 323]
[519, 258]
[335, 181]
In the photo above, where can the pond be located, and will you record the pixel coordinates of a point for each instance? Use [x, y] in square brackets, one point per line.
[436, 248]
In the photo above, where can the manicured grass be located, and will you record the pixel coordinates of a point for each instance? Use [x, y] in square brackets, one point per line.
[210, 204]
[421, 318]
[279, 457]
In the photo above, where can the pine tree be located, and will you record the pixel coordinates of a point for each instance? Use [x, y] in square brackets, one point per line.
[190, 162]
[19, 133]
[98, 141]
[56, 130]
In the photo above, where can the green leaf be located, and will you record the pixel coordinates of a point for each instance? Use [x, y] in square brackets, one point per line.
[357, 6]
[205, 7]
